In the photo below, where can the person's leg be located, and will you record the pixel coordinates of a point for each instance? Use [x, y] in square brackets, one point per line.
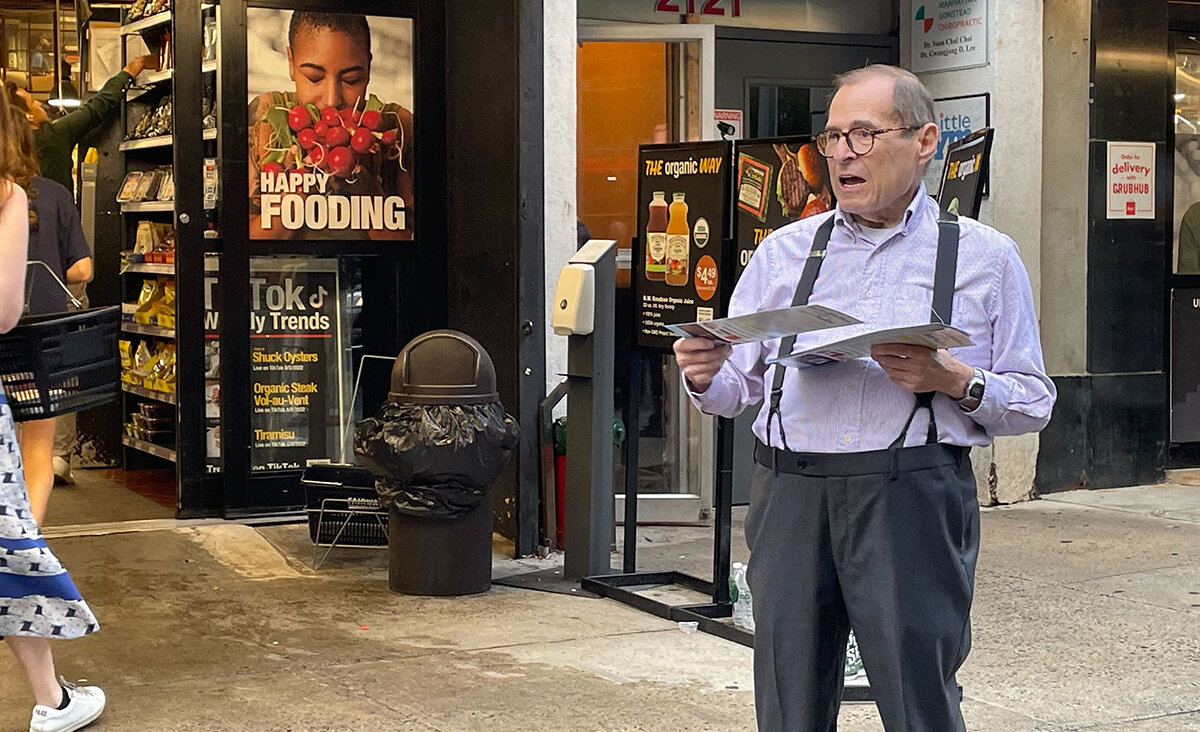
[37, 452]
[64, 432]
[799, 616]
[64, 448]
[906, 552]
[38, 663]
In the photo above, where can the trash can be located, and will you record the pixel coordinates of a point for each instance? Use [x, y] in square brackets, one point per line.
[435, 448]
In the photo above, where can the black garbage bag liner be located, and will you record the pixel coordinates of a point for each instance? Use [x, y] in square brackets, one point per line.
[435, 460]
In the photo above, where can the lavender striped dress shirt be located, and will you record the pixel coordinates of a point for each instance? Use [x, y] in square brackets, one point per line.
[853, 406]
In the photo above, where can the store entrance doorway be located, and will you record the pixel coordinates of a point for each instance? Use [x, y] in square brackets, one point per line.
[638, 85]
[1183, 267]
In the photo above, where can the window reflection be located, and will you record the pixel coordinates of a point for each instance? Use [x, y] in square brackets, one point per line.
[1187, 163]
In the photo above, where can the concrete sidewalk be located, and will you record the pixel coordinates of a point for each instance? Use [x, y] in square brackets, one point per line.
[1087, 617]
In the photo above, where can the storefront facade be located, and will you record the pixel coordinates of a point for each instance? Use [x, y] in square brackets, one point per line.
[773, 66]
[570, 90]
[279, 291]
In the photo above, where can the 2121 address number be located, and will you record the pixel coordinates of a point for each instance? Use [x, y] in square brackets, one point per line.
[707, 7]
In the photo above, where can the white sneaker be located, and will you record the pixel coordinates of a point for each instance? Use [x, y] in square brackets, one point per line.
[62, 471]
[86, 706]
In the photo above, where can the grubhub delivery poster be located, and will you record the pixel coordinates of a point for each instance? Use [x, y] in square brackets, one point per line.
[330, 125]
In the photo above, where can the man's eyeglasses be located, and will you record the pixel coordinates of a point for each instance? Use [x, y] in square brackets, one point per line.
[860, 139]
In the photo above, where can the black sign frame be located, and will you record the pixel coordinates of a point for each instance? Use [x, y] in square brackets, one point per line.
[967, 188]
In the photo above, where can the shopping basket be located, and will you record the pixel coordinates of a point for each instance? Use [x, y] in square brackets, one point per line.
[61, 363]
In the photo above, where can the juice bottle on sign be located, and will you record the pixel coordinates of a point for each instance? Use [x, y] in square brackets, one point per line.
[656, 238]
[679, 242]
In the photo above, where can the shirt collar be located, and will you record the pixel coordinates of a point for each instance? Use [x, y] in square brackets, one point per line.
[918, 207]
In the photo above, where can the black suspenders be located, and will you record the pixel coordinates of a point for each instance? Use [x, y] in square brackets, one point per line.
[941, 311]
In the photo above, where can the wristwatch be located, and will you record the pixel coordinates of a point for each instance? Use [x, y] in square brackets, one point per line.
[974, 395]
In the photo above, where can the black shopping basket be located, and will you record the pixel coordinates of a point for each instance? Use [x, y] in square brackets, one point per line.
[61, 363]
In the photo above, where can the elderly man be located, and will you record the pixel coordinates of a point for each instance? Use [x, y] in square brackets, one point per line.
[863, 509]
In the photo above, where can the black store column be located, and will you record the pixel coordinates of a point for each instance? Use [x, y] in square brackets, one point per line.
[495, 220]
[196, 490]
[1125, 404]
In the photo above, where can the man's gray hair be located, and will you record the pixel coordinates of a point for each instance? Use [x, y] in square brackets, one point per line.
[912, 101]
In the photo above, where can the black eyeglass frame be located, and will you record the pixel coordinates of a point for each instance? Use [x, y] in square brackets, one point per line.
[822, 139]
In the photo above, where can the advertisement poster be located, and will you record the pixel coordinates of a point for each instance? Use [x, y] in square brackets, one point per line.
[1130, 180]
[956, 117]
[966, 168]
[297, 384]
[776, 182]
[683, 193]
[212, 366]
[949, 34]
[330, 125]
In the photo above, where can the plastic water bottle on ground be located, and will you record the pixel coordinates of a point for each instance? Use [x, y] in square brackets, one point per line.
[743, 609]
[854, 664]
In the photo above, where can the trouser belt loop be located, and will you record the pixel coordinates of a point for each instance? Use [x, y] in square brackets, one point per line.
[893, 463]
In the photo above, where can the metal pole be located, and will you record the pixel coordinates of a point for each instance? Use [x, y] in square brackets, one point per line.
[589, 512]
[632, 434]
[723, 500]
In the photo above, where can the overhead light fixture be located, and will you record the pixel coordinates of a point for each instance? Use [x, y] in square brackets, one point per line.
[1179, 97]
[61, 100]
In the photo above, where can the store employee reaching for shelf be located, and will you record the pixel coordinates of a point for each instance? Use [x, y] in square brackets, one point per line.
[54, 143]
[56, 139]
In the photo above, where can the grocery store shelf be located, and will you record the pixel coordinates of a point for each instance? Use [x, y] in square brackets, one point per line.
[160, 396]
[161, 451]
[148, 207]
[147, 142]
[160, 141]
[157, 77]
[149, 330]
[149, 268]
[140, 25]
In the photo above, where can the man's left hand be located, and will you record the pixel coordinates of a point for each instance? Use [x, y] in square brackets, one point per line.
[919, 369]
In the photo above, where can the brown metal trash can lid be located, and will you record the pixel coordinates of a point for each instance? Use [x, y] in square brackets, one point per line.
[444, 367]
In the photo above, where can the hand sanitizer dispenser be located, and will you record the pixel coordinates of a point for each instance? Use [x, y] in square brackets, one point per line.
[575, 300]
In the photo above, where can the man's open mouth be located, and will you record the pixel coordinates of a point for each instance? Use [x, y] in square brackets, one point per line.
[850, 182]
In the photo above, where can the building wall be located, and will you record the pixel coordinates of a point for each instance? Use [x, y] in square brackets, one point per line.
[1066, 69]
[1110, 428]
[1013, 78]
[560, 164]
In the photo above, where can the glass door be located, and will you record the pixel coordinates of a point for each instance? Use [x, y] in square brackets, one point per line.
[1184, 265]
[638, 85]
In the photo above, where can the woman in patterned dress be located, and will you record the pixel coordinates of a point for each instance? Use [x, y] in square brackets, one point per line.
[38, 600]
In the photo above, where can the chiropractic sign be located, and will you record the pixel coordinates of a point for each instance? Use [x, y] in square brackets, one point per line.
[949, 34]
[1130, 180]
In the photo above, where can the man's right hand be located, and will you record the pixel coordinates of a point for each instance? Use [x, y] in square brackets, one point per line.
[141, 63]
[700, 359]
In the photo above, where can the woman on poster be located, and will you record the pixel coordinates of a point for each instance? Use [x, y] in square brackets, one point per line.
[329, 139]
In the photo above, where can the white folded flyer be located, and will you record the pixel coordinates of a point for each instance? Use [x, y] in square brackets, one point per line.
[767, 324]
[929, 335]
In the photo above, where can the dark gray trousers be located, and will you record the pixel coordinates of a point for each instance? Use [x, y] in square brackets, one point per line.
[892, 556]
